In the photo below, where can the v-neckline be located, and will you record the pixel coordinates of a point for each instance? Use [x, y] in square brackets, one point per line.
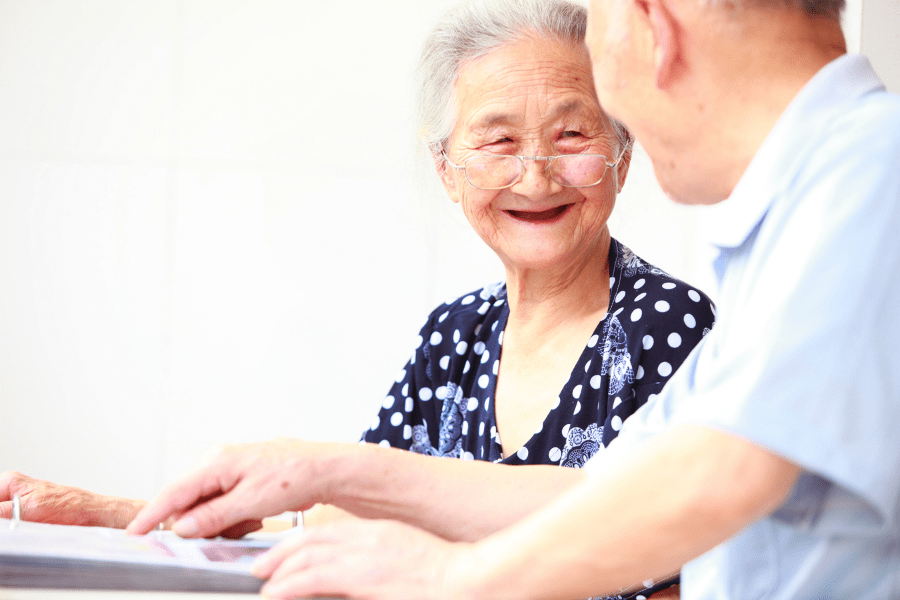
[614, 279]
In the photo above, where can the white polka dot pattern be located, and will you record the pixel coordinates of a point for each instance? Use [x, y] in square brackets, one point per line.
[440, 402]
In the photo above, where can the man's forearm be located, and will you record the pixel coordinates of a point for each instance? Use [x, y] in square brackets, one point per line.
[681, 495]
[458, 500]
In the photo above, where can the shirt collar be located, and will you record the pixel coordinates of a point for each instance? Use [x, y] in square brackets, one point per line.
[842, 81]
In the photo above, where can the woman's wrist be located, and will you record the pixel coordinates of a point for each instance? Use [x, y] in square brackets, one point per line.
[330, 473]
[354, 477]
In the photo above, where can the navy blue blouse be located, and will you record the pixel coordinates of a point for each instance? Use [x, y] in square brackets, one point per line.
[441, 403]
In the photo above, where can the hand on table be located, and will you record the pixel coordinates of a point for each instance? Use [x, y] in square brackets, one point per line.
[376, 560]
[46, 502]
[235, 487]
[372, 560]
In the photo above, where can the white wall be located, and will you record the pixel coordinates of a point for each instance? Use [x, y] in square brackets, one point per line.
[880, 39]
[211, 229]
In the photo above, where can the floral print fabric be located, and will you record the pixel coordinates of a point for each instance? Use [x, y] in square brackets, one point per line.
[441, 402]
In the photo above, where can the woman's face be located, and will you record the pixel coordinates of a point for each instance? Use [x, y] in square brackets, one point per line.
[534, 97]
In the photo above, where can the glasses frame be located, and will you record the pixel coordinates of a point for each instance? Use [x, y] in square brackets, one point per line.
[548, 159]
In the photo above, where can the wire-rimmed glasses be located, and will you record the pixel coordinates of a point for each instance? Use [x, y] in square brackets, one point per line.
[499, 171]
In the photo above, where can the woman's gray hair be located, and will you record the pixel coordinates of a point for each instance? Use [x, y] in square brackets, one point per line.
[473, 29]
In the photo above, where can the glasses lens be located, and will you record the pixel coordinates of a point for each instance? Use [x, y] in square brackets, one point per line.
[578, 170]
[493, 172]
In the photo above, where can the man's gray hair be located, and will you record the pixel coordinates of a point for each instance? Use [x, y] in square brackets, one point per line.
[819, 8]
[473, 29]
[813, 8]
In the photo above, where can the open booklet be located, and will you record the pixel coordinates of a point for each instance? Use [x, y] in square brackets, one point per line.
[38, 555]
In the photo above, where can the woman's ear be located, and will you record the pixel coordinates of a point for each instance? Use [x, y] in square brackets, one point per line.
[446, 174]
[622, 168]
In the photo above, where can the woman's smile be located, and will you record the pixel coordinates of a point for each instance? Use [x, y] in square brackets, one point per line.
[548, 216]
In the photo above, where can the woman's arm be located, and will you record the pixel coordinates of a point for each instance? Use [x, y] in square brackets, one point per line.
[459, 500]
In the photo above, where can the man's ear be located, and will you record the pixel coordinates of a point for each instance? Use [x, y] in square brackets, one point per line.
[446, 175]
[666, 50]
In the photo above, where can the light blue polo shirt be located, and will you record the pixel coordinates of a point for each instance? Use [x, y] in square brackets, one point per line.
[804, 358]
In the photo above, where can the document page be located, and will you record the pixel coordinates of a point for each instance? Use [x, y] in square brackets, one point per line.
[42, 555]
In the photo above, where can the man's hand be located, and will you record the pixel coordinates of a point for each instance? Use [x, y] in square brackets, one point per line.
[47, 502]
[375, 560]
[236, 486]
[371, 560]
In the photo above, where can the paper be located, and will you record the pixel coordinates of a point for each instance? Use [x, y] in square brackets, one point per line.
[57, 556]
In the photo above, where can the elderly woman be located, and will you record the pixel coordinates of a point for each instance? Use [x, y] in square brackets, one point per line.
[588, 331]
[539, 370]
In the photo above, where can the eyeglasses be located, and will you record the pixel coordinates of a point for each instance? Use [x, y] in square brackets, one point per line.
[499, 171]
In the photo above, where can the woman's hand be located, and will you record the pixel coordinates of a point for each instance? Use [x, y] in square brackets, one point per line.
[374, 560]
[236, 486]
[46, 502]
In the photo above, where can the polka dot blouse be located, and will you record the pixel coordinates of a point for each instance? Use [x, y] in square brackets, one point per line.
[441, 403]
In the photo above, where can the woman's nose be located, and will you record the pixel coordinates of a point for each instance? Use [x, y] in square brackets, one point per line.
[536, 182]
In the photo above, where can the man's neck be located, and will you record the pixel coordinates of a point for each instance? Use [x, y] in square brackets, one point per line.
[742, 89]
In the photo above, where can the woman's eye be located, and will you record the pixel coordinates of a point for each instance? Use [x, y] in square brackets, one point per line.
[571, 134]
[503, 140]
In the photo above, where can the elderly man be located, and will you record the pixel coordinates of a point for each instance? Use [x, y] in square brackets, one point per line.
[768, 467]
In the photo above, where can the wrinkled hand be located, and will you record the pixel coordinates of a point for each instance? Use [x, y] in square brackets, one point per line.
[235, 487]
[47, 502]
[371, 560]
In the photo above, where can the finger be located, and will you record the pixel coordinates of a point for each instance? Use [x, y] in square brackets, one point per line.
[265, 565]
[177, 497]
[5, 510]
[242, 529]
[306, 557]
[213, 516]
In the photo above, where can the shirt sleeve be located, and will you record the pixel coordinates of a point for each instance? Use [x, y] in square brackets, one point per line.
[806, 362]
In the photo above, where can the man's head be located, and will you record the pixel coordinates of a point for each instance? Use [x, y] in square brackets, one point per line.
[702, 82]
[813, 8]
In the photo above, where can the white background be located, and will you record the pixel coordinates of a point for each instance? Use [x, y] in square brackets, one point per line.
[212, 229]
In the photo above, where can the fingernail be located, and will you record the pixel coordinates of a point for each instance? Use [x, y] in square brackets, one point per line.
[256, 569]
[186, 527]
